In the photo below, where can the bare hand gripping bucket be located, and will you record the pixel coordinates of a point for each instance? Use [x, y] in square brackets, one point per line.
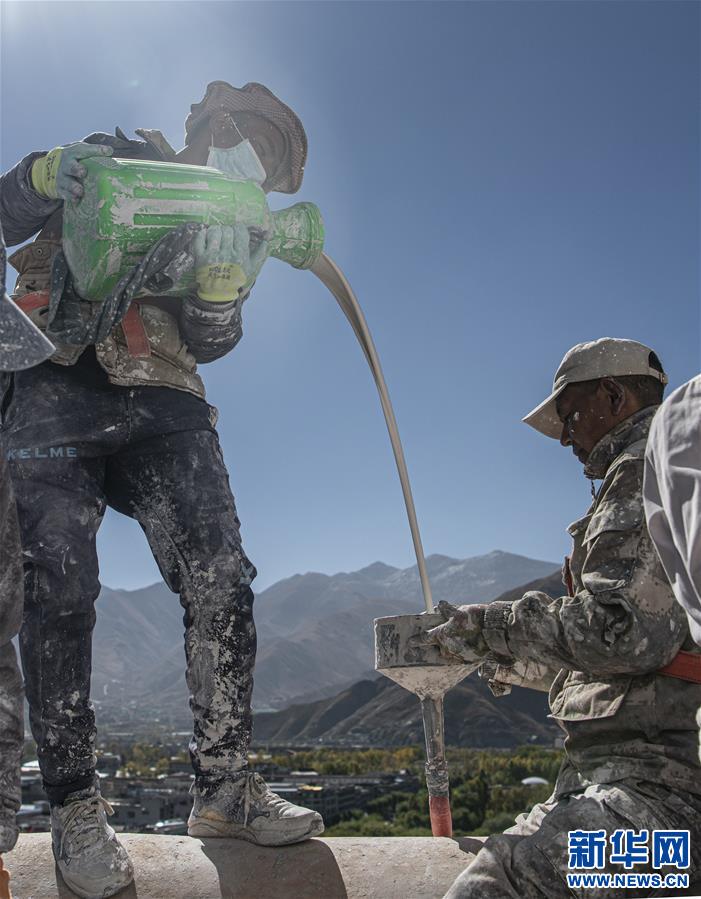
[129, 205]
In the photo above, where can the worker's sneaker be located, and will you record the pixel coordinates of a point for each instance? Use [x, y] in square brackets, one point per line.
[92, 862]
[247, 809]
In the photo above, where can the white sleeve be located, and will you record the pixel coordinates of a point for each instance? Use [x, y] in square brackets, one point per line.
[672, 495]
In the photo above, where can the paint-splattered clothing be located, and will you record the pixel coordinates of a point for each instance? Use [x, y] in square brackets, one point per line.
[75, 444]
[608, 640]
[180, 332]
[530, 860]
[631, 739]
[11, 722]
[101, 426]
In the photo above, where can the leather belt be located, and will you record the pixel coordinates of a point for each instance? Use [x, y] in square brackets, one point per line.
[132, 324]
[135, 333]
[30, 302]
[685, 666]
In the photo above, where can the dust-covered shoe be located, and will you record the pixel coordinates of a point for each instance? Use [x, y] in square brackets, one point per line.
[92, 862]
[247, 809]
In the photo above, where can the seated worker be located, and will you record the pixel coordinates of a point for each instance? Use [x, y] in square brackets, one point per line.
[21, 346]
[118, 417]
[631, 756]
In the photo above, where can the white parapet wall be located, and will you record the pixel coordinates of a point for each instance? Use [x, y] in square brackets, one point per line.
[187, 868]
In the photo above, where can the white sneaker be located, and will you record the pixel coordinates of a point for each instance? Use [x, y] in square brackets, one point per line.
[92, 862]
[247, 809]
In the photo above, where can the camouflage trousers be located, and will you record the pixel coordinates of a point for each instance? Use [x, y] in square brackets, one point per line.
[75, 444]
[11, 724]
[530, 860]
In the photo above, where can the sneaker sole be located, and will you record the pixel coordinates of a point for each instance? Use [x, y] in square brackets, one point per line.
[87, 891]
[206, 827]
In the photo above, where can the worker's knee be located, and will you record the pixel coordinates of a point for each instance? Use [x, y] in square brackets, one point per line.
[63, 588]
[509, 866]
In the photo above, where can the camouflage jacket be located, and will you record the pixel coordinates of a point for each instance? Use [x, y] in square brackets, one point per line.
[180, 332]
[600, 649]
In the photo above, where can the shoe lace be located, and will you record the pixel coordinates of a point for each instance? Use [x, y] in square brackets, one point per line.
[256, 788]
[82, 822]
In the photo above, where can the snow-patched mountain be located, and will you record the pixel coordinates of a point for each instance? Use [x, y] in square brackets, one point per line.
[314, 630]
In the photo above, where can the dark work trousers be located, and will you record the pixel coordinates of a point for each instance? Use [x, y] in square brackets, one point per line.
[11, 719]
[76, 443]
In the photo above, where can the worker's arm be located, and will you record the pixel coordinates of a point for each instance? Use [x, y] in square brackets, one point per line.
[227, 261]
[672, 495]
[210, 330]
[35, 188]
[23, 211]
[518, 673]
[624, 620]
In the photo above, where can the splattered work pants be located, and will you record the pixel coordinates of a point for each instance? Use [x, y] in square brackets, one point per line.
[530, 860]
[75, 443]
[11, 724]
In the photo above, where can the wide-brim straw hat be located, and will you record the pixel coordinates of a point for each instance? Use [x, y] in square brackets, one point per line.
[275, 131]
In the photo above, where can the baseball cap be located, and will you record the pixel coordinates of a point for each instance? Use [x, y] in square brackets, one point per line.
[606, 357]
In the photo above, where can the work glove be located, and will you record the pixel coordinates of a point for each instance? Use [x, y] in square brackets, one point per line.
[59, 175]
[227, 261]
[460, 636]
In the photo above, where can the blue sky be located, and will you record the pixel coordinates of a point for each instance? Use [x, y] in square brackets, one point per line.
[499, 180]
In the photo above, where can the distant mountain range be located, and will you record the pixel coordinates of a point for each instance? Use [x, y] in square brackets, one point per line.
[314, 632]
[381, 713]
[378, 712]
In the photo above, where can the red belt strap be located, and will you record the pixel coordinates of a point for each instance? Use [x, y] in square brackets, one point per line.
[28, 302]
[135, 333]
[132, 323]
[685, 666]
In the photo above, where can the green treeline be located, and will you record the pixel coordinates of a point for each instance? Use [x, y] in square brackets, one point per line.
[486, 789]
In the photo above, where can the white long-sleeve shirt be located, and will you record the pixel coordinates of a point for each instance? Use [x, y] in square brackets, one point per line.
[672, 495]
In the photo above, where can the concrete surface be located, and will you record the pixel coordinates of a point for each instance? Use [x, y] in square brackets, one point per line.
[170, 867]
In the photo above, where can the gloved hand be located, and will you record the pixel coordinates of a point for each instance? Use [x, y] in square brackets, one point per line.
[59, 174]
[461, 635]
[225, 265]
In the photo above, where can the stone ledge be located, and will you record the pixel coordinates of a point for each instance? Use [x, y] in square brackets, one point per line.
[169, 867]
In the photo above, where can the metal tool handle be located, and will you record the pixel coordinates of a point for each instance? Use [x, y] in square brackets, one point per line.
[436, 768]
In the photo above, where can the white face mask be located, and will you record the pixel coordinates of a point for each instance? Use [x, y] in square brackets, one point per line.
[240, 162]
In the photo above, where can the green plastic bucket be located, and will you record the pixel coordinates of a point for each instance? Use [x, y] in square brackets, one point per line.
[128, 205]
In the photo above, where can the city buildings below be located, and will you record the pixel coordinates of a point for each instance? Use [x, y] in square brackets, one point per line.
[161, 803]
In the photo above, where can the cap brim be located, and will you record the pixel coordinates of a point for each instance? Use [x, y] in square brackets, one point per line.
[22, 344]
[544, 418]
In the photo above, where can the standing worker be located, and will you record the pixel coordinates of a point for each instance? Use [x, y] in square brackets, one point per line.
[21, 346]
[118, 417]
[607, 652]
